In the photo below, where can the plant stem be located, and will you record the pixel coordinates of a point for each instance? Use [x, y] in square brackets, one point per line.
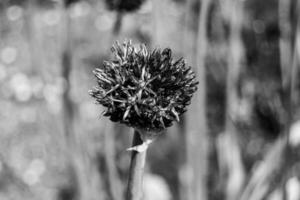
[233, 159]
[135, 180]
[118, 23]
[196, 122]
[114, 183]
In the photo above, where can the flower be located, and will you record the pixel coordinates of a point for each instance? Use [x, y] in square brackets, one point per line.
[124, 5]
[69, 2]
[142, 89]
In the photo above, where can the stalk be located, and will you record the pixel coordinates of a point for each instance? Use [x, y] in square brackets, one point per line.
[118, 23]
[235, 168]
[196, 124]
[79, 163]
[136, 170]
[113, 180]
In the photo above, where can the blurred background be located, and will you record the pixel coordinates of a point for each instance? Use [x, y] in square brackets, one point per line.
[238, 141]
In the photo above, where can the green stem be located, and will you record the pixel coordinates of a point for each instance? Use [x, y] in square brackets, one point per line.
[135, 180]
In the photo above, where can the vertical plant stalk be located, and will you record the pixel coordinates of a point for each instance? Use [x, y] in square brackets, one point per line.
[118, 23]
[66, 68]
[85, 174]
[285, 39]
[32, 36]
[288, 59]
[196, 127]
[114, 183]
[294, 68]
[137, 165]
[190, 32]
[189, 51]
[3, 17]
[232, 10]
[68, 108]
[157, 24]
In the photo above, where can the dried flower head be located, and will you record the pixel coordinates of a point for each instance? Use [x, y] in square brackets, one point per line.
[142, 89]
[70, 2]
[124, 5]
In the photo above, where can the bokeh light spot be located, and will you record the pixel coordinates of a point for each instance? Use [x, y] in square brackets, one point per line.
[52, 94]
[14, 13]
[20, 86]
[37, 87]
[9, 55]
[34, 171]
[295, 134]
[293, 188]
[80, 9]
[51, 17]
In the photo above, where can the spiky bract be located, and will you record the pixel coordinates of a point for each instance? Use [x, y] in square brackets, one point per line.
[142, 89]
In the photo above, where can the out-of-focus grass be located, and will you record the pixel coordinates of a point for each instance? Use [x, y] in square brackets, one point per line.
[31, 88]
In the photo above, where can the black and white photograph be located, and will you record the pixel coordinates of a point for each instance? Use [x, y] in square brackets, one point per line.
[149, 100]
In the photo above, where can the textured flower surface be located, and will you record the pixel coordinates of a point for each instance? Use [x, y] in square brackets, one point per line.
[142, 89]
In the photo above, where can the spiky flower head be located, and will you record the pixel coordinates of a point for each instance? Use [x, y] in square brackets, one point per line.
[124, 5]
[142, 89]
[70, 2]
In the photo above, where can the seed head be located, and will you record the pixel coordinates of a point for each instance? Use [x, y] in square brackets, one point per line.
[142, 89]
[69, 2]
